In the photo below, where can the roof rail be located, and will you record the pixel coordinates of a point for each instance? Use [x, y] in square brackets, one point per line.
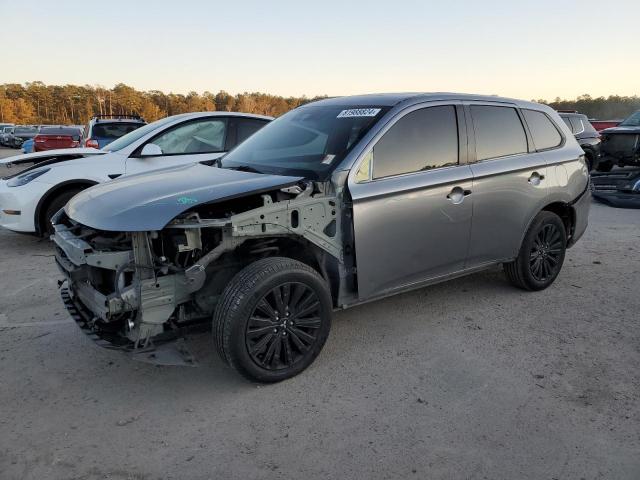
[118, 115]
[567, 111]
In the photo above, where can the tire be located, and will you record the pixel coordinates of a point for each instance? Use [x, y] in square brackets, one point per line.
[54, 204]
[605, 166]
[541, 255]
[273, 319]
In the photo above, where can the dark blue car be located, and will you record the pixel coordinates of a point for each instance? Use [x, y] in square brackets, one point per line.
[104, 129]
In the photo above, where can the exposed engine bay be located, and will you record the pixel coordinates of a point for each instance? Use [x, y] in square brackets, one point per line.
[134, 289]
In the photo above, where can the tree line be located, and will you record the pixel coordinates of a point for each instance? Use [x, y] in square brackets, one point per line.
[601, 108]
[37, 103]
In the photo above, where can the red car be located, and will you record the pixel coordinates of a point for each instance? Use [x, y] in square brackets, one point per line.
[602, 124]
[51, 138]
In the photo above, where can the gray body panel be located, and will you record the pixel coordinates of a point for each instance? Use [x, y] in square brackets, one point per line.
[407, 230]
[149, 201]
[408, 234]
[504, 199]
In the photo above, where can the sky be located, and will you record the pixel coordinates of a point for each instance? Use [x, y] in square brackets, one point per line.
[536, 49]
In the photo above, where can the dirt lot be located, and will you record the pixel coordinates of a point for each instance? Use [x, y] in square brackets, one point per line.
[471, 379]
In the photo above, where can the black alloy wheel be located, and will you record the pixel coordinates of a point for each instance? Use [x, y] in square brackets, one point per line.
[546, 251]
[272, 319]
[283, 326]
[541, 253]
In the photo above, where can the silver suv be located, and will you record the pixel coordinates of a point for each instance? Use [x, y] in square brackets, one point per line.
[338, 202]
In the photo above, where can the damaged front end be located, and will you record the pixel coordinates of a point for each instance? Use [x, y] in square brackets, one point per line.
[139, 291]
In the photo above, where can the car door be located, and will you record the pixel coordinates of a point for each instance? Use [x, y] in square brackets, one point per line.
[509, 181]
[412, 201]
[188, 142]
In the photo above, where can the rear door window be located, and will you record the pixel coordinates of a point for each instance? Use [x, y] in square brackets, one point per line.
[499, 132]
[421, 140]
[544, 132]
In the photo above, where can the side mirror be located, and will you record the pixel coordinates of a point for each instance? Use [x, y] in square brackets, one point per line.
[151, 150]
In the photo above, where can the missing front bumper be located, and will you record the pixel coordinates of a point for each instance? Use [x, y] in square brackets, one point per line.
[167, 349]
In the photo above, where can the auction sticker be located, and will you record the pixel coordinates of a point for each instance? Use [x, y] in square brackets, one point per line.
[359, 112]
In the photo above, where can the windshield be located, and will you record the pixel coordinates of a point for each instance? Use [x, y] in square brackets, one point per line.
[632, 121]
[309, 141]
[131, 137]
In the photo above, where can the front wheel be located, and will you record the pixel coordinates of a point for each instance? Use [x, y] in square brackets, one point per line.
[273, 319]
[54, 204]
[541, 255]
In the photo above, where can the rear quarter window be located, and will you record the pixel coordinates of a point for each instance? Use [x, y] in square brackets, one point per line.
[246, 128]
[544, 132]
[499, 132]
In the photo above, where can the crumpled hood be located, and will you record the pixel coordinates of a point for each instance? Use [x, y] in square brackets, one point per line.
[149, 201]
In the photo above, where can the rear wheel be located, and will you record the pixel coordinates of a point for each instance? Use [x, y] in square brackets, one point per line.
[541, 255]
[273, 319]
[55, 204]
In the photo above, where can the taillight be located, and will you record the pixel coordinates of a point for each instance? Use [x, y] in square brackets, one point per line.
[91, 143]
[39, 139]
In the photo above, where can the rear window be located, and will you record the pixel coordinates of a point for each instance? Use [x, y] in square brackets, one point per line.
[22, 130]
[59, 131]
[499, 132]
[112, 131]
[544, 132]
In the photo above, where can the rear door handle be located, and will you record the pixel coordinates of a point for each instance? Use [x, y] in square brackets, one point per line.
[457, 194]
[535, 179]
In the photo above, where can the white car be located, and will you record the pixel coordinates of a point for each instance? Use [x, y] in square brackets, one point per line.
[30, 198]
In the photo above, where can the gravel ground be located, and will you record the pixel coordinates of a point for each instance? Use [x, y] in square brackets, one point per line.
[470, 379]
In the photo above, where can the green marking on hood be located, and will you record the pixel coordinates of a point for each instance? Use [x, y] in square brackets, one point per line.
[187, 200]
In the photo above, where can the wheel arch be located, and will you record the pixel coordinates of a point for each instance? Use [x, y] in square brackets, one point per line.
[298, 248]
[564, 210]
[57, 189]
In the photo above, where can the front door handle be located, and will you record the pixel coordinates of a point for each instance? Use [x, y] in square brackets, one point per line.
[457, 194]
[535, 179]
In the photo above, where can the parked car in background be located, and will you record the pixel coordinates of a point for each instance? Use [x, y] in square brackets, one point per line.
[336, 203]
[585, 134]
[51, 138]
[5, 134]
[2, 128]
[20, 134]
[27, 146]
[29, 199]
[600, 125]
[104, 129]
[621, 144]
